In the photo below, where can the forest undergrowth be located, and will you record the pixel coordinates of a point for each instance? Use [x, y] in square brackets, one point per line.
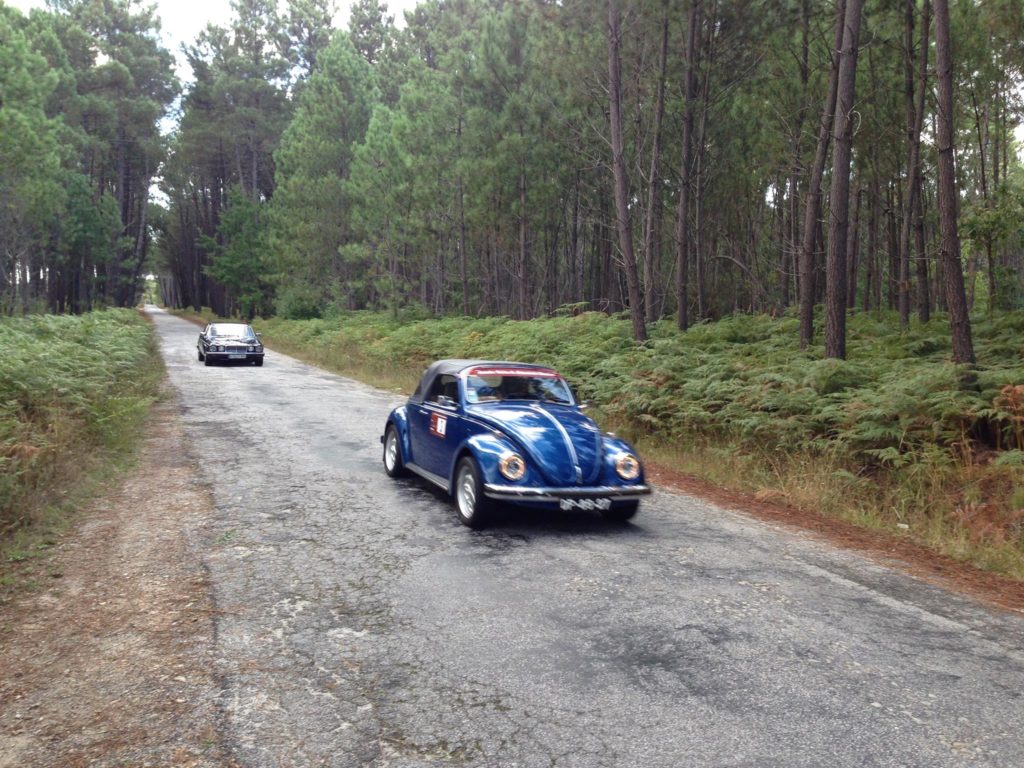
[895, 438]
[74, 392]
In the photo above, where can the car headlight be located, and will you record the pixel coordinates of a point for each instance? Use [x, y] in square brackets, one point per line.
[512, 466]
[627, 467]
[252, 348]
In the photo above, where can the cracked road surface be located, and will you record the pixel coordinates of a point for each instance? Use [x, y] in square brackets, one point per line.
[360, 625]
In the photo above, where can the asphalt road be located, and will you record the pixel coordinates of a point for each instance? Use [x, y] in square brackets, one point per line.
[360, 625]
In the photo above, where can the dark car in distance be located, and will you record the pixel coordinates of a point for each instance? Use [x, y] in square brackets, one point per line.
[229, 342]
[489, 432]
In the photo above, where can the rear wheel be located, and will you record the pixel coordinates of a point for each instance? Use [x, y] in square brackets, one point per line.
[472, 505]
[621, 512]
[393, 453]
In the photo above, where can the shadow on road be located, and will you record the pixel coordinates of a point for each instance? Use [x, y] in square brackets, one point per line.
[511, 520]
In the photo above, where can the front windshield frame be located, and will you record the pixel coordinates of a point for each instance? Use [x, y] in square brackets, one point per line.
[497, 384]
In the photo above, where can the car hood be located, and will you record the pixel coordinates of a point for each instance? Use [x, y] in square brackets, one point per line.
[563, 443]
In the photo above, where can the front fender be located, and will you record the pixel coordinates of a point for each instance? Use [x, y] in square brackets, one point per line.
[614, 447]
[488, 448]
[400, 419]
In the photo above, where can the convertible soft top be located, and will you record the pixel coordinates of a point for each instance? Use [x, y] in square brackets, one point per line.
[455, 366]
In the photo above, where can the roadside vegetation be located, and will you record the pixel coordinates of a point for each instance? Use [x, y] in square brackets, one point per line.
[74, 391]
[889, 439]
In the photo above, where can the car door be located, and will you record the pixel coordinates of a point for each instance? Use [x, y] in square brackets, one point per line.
[434, 426]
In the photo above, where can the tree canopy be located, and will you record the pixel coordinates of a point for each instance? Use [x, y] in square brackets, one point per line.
[518, 157]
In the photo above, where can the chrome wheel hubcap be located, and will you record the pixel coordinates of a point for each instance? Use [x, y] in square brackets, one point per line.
[467, 494]
[391, 451]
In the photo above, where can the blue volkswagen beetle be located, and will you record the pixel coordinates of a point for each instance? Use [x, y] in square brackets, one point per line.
[488, 432]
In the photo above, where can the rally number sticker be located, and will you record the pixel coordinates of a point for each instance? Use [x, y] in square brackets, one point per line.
[438, 425]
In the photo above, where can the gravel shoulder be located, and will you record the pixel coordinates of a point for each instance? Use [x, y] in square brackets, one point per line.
[900, 553]
[110, 662]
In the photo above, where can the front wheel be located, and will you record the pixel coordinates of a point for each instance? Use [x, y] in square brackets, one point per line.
[393, 453]
[207, 360]
[200, 354]
[258, 362]
[472, 505]
[621, 512]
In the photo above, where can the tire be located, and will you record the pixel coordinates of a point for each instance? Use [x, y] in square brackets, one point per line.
[200, 355]
[258, 362]
[207, 360]
[393, 465]
[621, 512]
[470, 503]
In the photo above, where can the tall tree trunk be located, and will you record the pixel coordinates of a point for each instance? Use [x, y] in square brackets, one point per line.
[576, 248]
[682, 211]
[893, 204]
[654, 185]
[699, 252]
[790, 258]
[636, 311]
[924, 299]
[522, 310]
[983, 129]
[949, 243]
[813, 201]
[915, 122]
[463, 258]
[839, 197]
[923, 288]
[853, 252]
[141, 241]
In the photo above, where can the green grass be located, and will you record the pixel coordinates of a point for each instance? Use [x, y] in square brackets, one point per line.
[889, 439]
[74, 392]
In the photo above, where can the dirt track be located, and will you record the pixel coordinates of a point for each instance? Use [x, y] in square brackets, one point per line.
[108, 664]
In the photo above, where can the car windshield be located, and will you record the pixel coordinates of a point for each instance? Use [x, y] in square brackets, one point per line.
[484, 385]
[232, 330]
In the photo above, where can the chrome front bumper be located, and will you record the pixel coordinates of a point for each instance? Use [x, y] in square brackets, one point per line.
[519, 493]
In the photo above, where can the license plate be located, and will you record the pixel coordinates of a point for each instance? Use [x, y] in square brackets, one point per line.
[236, 357]
[586, 504]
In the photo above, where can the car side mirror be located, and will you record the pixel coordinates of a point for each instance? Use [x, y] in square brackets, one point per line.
[445, 401]
[259, 335]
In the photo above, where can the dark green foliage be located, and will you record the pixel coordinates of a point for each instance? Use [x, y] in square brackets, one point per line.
[83, 87]
[306, 233]
[238, 255]
[69, 386]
